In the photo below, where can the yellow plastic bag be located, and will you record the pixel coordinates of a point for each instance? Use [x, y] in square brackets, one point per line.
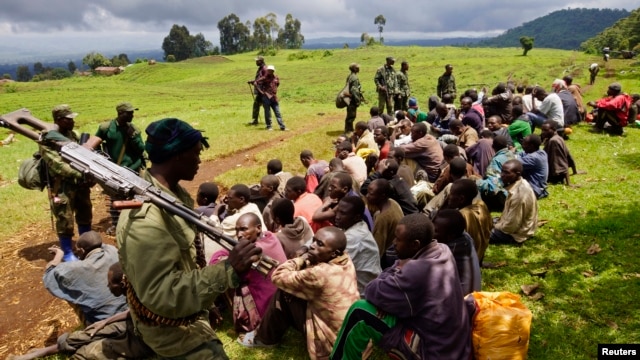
[501, 326]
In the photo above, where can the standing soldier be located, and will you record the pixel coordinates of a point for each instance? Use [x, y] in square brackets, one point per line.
[355, 94]
[69, 191]
[268, 87]
[447, 83]
[257, 97]
[404, 90]
[122, 141]
[386, 85]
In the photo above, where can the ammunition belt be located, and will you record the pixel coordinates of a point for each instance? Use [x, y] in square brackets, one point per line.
[148, 317]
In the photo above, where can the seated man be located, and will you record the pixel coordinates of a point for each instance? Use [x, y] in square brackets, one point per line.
[464, 198]
[481, 153]
[449, 228]
[111, 338]
[294, 232]
[235, 204]
[363, 141]
[274, 167]
[415, 309]
[470, 116]
[558, 155]
[491, 190]
[400, 192]
[256, 289]
[387, 213]
[339, 187]
[206, 198]
[520, 127]
[612, 110]
[381, 136]
[355, 165]
[424, 150]
[361, 245]
[315, 169]
[401, 134]
[83, 283]
[458, 170]
[467, 136]
[404, 171]
[335, 166]
[314, 293]
[305, 203]
[519, 218]
[495, 125]
[449, 152]
[550, 109]
[269, 191]
[535, 165]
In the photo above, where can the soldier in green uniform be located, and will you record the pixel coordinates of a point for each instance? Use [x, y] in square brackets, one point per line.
[122, 141]
[170, 288]
[70, 193]
[447, 83]
[386, 85]
[355, 94]
[404, 90]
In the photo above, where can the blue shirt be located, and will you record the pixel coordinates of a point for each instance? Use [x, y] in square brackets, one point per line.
[84, 283]
[535, 169]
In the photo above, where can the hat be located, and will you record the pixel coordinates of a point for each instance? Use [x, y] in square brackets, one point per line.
[413, 101]
[260, 58]
[63, 111]
[170, 137]
[615, 87]
[271, 67]
[125, 106]
[391, 58]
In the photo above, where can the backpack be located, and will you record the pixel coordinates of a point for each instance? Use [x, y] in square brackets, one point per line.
[342, 100]
[32, 173]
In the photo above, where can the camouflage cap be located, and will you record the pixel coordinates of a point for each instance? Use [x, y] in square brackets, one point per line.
[63, 111]
[391, 59]
[259, 58]
[125, 106]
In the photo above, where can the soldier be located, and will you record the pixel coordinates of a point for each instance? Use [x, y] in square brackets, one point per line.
[447, 83]
[122, 141]
[404, 89]
[70, 193]
[386, 85]
[257, 97]
[355, 93]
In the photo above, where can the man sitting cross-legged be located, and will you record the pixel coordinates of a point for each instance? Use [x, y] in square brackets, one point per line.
[314, 293]
[339, 187]
[519, 218]
[84, 283]
[414, 309]
[294, 231]
[236, 203]
[361, 245]
[450, 227]
[304, 203]
[535, 165]
[256, 289]
[111, 338]
[387, 213]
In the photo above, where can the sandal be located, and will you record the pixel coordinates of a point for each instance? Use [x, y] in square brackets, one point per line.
[249, 340]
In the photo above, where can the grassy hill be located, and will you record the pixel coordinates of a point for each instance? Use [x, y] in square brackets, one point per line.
[562, 29]
[589, 299]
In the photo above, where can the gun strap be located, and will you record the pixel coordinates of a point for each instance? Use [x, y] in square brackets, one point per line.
[148, 317]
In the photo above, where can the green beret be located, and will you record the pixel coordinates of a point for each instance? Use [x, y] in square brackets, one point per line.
[169, 137]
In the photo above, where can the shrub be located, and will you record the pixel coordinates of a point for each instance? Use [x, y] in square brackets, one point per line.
[171, 58]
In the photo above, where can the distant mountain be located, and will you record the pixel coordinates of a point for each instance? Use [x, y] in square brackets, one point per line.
[338, 42]
[623, 35]
[562, 29]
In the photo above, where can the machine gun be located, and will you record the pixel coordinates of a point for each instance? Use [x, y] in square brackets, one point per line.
[122, 182]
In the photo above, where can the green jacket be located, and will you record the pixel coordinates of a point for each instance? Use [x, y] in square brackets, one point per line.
[354, 88]
[61, 175]
[114, 137]
[446, 85]
[158, 257]
[386, 78]
[403, 83]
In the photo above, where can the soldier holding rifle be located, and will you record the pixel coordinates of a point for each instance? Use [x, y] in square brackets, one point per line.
[169, 287]
[257, 97]
[386, 85]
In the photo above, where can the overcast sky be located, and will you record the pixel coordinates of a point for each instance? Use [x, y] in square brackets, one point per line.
[86, 25]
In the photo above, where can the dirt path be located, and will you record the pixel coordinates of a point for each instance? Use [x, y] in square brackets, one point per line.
[29, 316]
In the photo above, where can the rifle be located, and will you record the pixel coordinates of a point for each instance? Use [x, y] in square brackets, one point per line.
[120, 181]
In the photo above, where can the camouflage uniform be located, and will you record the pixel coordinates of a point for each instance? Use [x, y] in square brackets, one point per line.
[404, 91]
[386, 86]
[71, 195]
[356, 97]
[446, 85]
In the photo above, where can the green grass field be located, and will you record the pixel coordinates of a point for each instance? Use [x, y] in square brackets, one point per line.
[588, 298]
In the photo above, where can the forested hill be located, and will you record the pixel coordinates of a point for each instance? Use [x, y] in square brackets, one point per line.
[562, 29]
[623, 35]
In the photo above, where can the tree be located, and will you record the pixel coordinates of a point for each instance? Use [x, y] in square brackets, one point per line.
[59, 73]
[201, 46]
[290, 37]
[527, 44]
[261, 32]
[23, 73]
[364, 38]
[274, 28]
[38, 68]
[6, 76]
[94, 60]
[381, 22]
[72, 67]
[234, 35]
[178, 43]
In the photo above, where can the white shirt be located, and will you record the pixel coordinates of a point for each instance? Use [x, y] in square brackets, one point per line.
[552, 108]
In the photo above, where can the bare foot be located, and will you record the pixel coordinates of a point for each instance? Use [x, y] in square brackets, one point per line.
[579, 172]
